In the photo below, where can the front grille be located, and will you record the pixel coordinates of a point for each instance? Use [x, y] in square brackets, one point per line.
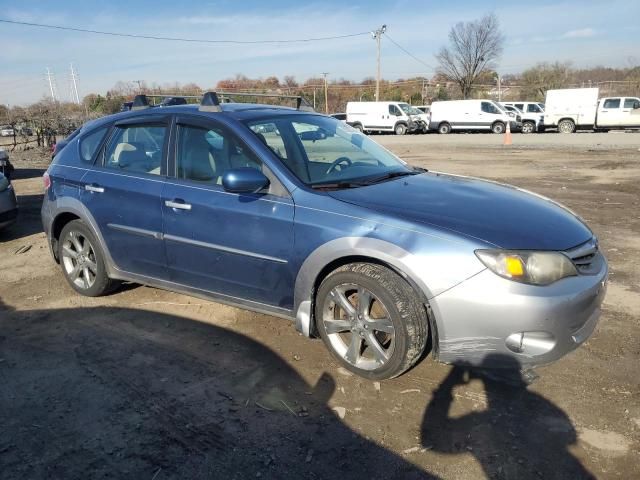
[586, 257]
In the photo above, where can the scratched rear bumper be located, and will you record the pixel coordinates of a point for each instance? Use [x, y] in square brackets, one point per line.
[487, 317]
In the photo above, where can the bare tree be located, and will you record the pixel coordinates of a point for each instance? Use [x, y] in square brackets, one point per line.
[473, 49]
[544, 76]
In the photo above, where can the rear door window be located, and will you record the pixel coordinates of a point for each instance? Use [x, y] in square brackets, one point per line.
[533, 108]
[630, 102]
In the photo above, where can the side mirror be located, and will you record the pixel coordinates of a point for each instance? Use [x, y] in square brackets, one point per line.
[636, 105]
[244, 180]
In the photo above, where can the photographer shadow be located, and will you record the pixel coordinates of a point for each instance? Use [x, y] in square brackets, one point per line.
[517, 434]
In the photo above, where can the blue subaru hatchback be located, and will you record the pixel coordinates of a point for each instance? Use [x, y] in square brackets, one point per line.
[295, 214]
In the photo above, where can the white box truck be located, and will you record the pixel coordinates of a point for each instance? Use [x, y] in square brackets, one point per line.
[579, 108]
[471, 115]
[395, 117]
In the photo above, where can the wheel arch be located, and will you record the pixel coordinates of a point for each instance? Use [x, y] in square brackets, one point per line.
[67, 210]
[337, 253]
[58, 223]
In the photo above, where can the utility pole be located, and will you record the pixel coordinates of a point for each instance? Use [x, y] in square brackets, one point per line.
[314, 98]
[499, 87]
[52, 84]
[377, 35]
[326, 93]
[74, 82]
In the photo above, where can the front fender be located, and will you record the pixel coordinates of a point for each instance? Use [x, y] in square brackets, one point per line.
[422, 271]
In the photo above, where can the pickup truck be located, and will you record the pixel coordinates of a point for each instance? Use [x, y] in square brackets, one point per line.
[579, 108]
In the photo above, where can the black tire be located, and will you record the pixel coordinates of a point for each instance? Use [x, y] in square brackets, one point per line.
[400, 129]
[528, 127]
[566, 126]
[444, 128]
[100, 284]
[402, 311]
[498, 127]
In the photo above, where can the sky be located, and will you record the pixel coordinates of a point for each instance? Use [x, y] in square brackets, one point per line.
[584, 32]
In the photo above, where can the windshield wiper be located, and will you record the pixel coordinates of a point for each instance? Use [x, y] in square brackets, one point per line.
[337, 185]
[389, 176]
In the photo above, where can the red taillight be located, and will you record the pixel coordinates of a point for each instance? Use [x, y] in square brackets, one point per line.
[46, 180]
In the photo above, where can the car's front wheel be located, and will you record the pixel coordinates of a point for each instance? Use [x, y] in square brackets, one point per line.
[82, 260]
[371, 320]
[528, 127]
[400, 129]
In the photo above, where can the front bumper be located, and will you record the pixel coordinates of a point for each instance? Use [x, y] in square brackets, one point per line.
[515, 126]
[490, 321]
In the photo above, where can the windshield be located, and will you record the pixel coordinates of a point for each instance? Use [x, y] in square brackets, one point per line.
[406, 108]
[322, 150]
[499, 107]
[415, 111]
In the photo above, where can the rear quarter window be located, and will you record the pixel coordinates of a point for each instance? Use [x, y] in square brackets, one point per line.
[90, 143]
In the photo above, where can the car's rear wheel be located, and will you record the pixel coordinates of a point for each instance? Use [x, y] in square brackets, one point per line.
[444, 128]
[82, 260]
[371, 320]
[566, 126]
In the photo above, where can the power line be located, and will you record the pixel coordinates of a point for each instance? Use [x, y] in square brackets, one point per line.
[408, 52]
[180, 39]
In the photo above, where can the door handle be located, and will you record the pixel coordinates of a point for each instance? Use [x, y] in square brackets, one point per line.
[93, 188]
[180, 205]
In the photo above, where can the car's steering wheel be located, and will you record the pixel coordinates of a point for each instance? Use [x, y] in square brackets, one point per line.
[342, 162]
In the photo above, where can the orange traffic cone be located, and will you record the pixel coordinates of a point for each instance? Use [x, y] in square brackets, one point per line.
[507, 135]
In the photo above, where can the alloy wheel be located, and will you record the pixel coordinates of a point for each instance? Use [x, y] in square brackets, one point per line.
[79, 260]
[358, 326]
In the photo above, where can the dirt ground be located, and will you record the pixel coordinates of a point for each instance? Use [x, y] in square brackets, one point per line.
[148, 384]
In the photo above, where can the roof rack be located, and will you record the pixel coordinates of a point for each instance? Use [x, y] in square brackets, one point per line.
[140, 102]
[211, 100]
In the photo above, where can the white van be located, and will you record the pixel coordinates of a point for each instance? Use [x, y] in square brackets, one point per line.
[384, 117]
[471, 115]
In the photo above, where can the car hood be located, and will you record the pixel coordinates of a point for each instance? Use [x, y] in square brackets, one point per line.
[502, 215]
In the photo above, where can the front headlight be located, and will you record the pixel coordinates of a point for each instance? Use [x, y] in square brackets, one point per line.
[4, 183]
[535, 268]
